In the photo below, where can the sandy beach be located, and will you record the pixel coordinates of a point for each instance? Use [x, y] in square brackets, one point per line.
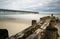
[13, 26]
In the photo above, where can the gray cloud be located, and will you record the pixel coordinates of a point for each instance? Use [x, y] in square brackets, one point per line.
[31, 5]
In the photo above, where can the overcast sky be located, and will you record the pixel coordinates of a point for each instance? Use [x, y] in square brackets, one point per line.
[31, 5]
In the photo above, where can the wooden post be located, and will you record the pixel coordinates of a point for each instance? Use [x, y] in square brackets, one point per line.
[3, 33]
[34, 22]
[50, 33]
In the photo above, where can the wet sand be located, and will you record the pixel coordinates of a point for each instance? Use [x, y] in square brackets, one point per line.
[13, 26]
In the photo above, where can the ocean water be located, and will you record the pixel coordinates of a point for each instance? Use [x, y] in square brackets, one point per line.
[18, 22]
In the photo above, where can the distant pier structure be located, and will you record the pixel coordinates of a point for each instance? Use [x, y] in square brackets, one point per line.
[11, 12]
